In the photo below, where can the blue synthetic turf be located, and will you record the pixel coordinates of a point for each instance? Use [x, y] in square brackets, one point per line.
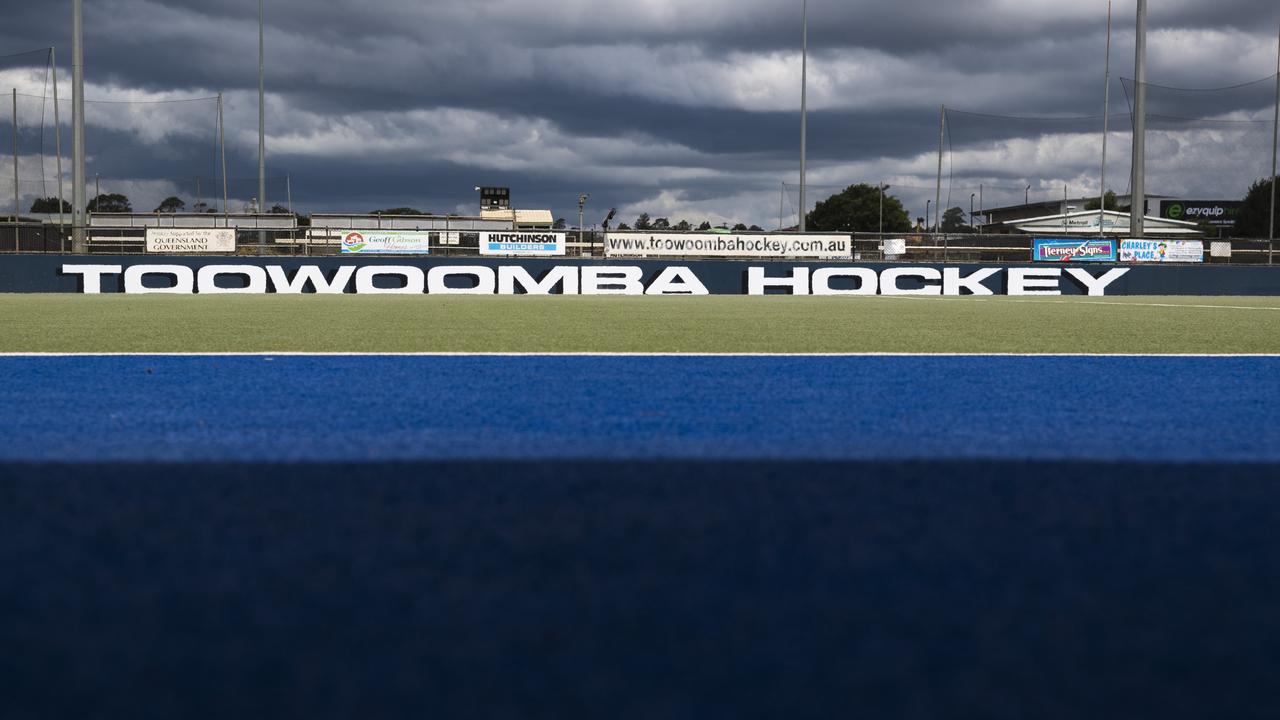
[415, 408]
[635, 538]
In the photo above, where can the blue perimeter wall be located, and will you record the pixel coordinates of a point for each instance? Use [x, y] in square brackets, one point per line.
[43, 273]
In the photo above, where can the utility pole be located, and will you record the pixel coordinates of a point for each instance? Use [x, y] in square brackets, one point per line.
[262, 123]
[942, 138]
[1275, 138]
[1138, 208]
[1106, 128]
[57, 139]
[804, 110]
[222, 149]
[78, 175]
[16, 207]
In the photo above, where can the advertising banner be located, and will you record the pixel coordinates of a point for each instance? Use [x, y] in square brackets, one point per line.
[1219, 213]
[713, 245]
[1068, 250]
[386, 242]
[522, 244]
[1161, 251]
[182, 242]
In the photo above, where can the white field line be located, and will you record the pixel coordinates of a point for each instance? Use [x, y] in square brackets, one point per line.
[1076, 301]
[291, 354]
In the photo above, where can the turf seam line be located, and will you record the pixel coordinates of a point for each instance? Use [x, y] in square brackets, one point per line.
[266, 354]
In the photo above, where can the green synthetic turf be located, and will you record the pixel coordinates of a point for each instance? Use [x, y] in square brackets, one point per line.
[280, 323]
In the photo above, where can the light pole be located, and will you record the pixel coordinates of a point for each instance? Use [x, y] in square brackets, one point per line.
[1138, 208]
[972, 196]
[1027, 199]
[262, 123]
[882, 189]
[582, 206]
[804, 108]
[927, 204]
[78, 176]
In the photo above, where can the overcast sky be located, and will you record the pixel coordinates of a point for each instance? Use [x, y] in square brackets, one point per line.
[688, 110]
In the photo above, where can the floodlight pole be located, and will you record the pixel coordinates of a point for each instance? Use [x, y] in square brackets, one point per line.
[78, 174]
[17, 208]
[57, 140]
[804, 109]
[942, 138]
[1106, 128]
[1275, 138]
[1138, 208]
[222, 150]
[262, 123]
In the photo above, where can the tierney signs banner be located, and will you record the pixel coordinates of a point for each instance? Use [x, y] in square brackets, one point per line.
[1073, 250]
[713, 245]
[183, 242]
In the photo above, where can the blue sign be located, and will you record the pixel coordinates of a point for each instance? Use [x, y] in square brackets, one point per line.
[1073, 250]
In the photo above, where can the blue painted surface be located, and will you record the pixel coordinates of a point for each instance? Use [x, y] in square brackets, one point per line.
[639, 538]
[389, 408]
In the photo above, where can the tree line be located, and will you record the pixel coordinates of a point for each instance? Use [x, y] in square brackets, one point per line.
[856, 209]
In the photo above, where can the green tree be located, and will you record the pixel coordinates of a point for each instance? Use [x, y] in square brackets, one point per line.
[643, 222]
[110, 203]
[682, 226]
[662, 224]
[559, 224]
[704, 227]
[623, 227]
[953, 221]
[49, 206]
[1112, 203]
[1254, 219]
[171, 205]
[740, 227]
[755, 228]
[857, 209]
[400, 211]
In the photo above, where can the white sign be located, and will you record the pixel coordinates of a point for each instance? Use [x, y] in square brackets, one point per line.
[818, 247]
[1162, 251]
[770, 278]
[522, 243]
[386, 242]
[179, 242]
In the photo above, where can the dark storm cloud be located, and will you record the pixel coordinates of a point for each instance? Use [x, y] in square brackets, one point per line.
[625, 99]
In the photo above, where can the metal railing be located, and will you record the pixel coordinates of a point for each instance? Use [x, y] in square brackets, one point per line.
[278, 235]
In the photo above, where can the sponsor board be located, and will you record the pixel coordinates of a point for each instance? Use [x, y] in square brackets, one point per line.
[587, 279]
[1069, 250]
[1162, 251]
[1219, 213]
[714, 245]
[386, 242]
[522, 244]
[180, 242]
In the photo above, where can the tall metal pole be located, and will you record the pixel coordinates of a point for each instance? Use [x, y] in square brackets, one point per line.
[1106, 128]
[1138, 209]
[262, 120]
[804, 110]
[57, 143]
[782, 199]
[222, 149]
[1275, 138]
[942, 138]
[16, 207]
[78, 174]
